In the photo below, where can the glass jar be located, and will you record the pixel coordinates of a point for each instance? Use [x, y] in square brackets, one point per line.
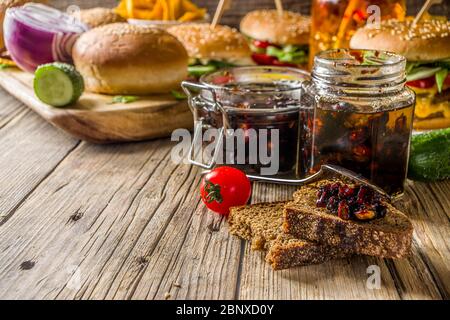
[335, 21]
[363, 115]
[256, 109]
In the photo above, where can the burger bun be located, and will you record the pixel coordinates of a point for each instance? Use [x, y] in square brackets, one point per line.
[124, 59]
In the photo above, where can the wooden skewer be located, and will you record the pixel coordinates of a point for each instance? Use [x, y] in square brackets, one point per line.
[223, 5]
[424, 9]
[279, 6]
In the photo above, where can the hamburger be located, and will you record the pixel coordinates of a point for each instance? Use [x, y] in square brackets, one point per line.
[278, 40]
[426, 46]
[212, 49]
[125, 59]
[97, 17]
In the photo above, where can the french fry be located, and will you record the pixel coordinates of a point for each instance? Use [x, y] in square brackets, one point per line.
[181, 10]
[130, 8]
[191, 16]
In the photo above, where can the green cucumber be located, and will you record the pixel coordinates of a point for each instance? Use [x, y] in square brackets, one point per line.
[430, 156]
[58, 84]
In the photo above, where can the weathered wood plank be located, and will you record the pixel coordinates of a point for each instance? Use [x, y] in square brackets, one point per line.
[10, 108]
[116, 222]
[344, 279]
[29, 151]
[428, 205]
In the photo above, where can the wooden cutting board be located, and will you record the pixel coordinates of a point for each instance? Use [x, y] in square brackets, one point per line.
[95, 119]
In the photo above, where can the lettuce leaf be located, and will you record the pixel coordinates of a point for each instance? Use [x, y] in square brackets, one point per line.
[422, 70]
[290, 54]
[441, 75]
[198, 69]
[422, 73]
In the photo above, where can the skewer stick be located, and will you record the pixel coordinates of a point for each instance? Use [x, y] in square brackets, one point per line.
[279, 6]
[424, 9]
[223, 5]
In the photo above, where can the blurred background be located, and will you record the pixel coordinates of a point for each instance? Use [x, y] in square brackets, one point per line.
[240, 7]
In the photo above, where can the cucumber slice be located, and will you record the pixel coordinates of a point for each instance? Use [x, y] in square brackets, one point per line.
[58, 84]
[198, 71]
[430, 156]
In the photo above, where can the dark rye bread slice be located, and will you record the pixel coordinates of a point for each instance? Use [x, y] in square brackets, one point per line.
[261, 224]
[388, 237]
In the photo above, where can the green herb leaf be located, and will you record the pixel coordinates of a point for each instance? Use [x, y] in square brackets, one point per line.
[124, 99]
[441, 75]
[200, 70]
[178, 95]
[4, 66]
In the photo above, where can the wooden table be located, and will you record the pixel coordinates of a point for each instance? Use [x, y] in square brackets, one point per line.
[81, 221]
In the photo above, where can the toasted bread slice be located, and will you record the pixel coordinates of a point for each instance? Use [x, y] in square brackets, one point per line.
[387, 237]
[261, 224]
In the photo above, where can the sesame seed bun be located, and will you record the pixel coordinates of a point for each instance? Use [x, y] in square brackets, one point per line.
[266, 25]
[221, 43]
[429, 40]
[124, 59]
[97, 17]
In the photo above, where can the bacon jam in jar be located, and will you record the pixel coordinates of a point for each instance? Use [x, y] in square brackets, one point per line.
[363, 115]
[259, 112]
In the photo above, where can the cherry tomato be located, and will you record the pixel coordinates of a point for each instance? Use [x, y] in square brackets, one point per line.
[263, 59]
[422, 83]
[261, 44]
[223, 188]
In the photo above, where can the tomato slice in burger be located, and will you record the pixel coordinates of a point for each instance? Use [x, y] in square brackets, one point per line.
[261, 44]
[447, 81]
[423, 83]
[263, 59]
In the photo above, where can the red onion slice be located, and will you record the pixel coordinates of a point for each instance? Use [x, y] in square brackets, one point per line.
[36, 34]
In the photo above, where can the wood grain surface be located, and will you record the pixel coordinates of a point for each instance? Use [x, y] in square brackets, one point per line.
[95, 118]
[121, 221]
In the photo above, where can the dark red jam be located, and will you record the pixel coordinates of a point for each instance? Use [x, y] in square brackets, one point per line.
[375, 144]
[351, 202]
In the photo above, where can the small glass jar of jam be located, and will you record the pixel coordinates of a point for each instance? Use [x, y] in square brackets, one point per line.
[257, 109]
[363, 115]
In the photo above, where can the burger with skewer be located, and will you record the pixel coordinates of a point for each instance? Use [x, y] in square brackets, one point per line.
[277, 39]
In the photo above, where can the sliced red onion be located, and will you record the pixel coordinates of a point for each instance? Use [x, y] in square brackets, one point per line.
[36, 34]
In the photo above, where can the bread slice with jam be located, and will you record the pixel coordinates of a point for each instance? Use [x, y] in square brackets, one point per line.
[366, 225]
[261, 224]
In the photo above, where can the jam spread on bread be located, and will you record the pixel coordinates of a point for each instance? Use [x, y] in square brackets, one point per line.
[351, 202]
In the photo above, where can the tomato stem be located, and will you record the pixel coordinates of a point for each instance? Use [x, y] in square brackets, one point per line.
[213, 192]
